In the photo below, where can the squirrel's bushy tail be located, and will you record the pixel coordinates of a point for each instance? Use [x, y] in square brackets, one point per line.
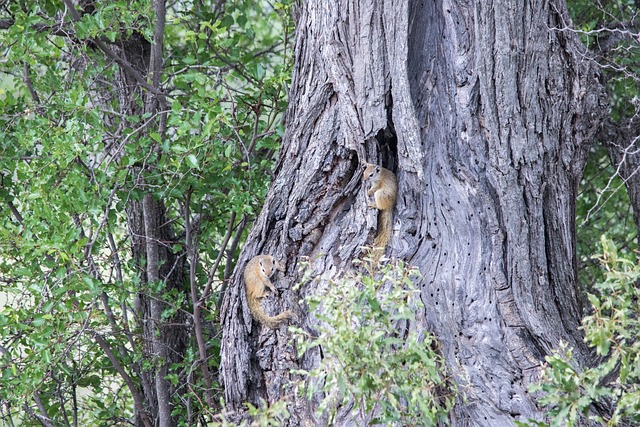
[385, 222]
[258, 313]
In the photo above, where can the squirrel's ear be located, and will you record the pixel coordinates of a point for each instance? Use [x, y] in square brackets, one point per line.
[377, 168]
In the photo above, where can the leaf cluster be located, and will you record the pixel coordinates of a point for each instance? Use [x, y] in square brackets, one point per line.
[75, 145]
[613, 385]
[374, 358]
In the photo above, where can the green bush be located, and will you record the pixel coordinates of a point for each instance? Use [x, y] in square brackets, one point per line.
[374, 356]
[612, 329]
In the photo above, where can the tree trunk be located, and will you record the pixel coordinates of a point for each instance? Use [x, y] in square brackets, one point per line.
[485, 112]
[152, 235]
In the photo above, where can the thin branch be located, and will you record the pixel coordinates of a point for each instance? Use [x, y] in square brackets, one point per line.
[105, 49]
[197, 323]
[44, 418]
[213, 269]
[118, 267]
[228, 267]
[32, 91]
[135, 394]
[234, 245]
[15, 211]
[8, 417]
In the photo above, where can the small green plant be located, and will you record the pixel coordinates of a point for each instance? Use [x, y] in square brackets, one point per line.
[612, 329]
[263, 416]
[374, 358]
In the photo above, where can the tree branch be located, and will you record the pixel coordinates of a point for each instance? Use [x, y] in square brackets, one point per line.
[135, 394]
[150, 217]
[213, 269]
[104, 48]
[15, 211]
[44, 418]
[32, 91]
[192, 253]
[228, 268]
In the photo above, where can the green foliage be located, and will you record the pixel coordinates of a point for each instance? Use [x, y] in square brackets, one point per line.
[612, 329]
[263, 416]
[74, 144]
[602, 206]
[608, 30]
[373, 357]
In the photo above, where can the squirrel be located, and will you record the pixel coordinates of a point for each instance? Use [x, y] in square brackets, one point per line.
[257, 275]
[384, 188]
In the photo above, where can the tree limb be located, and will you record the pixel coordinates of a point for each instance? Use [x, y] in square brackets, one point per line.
[32, 91]
[192, 253]
[228, 268]
[135, 394]
[105, 49]
[150, 216]
[15, 211]
[214, 267]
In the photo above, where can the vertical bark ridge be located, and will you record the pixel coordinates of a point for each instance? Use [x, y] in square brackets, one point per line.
[492, 147]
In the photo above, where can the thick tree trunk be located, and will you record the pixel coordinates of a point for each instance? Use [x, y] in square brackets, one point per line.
[485, 111]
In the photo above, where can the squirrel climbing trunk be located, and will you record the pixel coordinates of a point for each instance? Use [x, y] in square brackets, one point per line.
[257, 275]
[384, 189]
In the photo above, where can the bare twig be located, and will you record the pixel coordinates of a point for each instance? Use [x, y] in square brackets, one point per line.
[214, 267]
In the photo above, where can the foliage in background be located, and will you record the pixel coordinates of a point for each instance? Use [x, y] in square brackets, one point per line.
[274, 415]
[613, 330]
[602, 207]
[609, 30]
[399, 379]
[70, 149]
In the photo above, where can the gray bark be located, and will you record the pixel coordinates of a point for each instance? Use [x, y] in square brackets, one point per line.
[485, 111]
[152, 212]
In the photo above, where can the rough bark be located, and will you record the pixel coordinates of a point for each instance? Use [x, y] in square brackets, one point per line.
[151, 213]
[164, 339]
[485, 111]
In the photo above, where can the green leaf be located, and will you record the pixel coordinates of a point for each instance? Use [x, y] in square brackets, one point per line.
[193, 161]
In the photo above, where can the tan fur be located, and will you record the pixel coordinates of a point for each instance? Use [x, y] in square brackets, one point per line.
[384, 189]
[257, 275]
